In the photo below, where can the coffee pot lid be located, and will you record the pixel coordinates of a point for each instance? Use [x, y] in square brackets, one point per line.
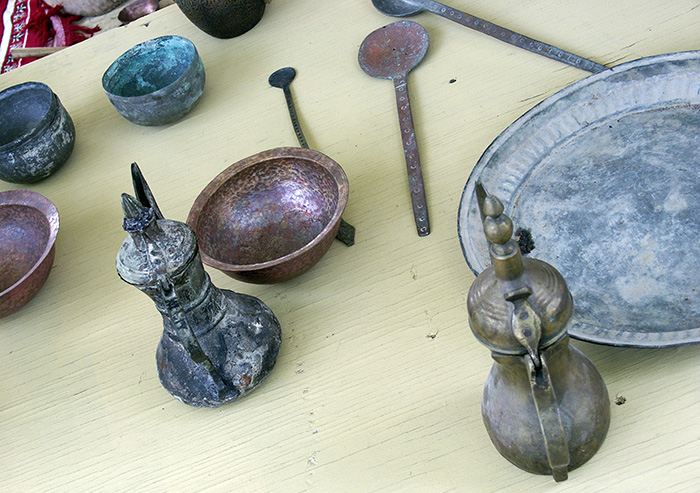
[155, 246]
[517, 305]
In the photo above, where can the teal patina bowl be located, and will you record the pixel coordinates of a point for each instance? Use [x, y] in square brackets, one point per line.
[156, 82]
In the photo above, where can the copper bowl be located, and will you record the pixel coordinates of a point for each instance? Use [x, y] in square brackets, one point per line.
[28, 229]
[271, 216]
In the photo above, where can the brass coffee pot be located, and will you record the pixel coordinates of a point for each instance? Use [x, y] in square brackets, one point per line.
[545, 406]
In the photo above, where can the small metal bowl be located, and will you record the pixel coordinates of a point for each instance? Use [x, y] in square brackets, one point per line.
[37, 134]
[28, 229]
[270, 217]
[156, 82]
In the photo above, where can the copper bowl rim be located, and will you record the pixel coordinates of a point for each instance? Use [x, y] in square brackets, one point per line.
[48, 209]
[319, 158]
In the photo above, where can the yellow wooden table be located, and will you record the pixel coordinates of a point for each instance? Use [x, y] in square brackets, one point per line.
[378, 383]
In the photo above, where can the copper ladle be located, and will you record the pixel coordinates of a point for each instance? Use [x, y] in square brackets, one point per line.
[402, 8]
[391, 52]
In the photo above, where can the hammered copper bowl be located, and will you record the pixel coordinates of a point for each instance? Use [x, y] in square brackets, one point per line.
[28, 229]
[272, 216]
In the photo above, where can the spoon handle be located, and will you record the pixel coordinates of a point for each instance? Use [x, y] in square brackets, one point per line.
[294, 117]
[410, 149]
[512, 37]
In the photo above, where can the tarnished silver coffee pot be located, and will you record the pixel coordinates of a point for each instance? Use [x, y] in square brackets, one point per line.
[217, 345]
[545, 406]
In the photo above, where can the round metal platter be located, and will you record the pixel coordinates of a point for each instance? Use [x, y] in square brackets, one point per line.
[605, 175]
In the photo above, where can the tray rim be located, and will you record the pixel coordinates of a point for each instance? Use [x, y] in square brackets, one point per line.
[622, 338]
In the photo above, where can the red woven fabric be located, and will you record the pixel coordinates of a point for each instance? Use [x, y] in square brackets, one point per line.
[32, 23]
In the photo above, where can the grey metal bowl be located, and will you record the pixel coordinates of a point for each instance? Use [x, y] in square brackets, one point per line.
[37, 134]
[156, 82]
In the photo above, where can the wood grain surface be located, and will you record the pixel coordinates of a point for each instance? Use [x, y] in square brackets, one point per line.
[378, 382]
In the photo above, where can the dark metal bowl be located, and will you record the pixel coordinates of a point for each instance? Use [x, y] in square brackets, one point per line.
[271, 216]
[156, 82]
[223, 18]
[28, 229]
[37, 134]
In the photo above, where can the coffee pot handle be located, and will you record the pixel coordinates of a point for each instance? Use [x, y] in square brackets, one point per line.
[549, 417]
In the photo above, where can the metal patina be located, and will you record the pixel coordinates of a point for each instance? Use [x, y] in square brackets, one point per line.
[37, 134]
[545, 406]
[156, 82]
[217, 345]
[604, 177]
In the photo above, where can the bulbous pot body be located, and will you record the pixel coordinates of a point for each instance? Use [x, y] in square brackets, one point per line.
[239, 333]
[237, 336]
[511, 418]
[223, 18]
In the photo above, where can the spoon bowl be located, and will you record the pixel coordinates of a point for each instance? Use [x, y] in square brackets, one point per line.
[396, 8]
[392, 51]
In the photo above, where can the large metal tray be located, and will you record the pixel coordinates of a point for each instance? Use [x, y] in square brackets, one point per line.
[605, 174]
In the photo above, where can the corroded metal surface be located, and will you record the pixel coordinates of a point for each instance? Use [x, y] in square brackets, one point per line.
[270, 217]
[28, 230]
[37, 134]
[545, 406]
[217, 345]
[604, 177]
[401, 8]
[156, 82]
[391, 52]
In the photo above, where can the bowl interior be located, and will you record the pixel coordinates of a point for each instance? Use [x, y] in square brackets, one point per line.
[22, 109]
[267, 210]
[149, 66]
[24, 235]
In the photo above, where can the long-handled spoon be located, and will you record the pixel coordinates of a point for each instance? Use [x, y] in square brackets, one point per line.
[282, 78]
[402, 8]
[391, 52]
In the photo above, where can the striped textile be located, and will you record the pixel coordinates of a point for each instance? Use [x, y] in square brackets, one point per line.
[32, 23]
